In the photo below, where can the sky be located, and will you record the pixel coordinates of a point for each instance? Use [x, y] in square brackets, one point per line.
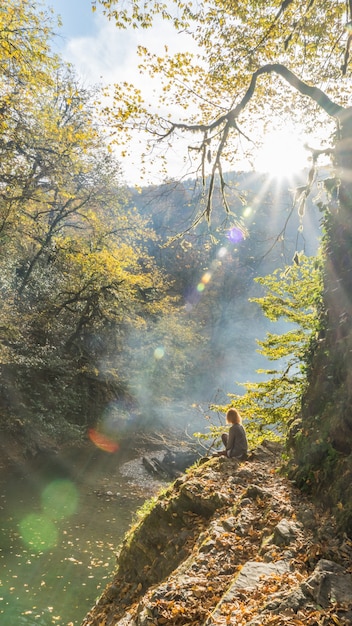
[97, 49]
[77, 16]
[104, 55]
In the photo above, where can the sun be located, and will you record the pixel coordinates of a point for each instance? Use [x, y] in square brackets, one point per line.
[282, 154]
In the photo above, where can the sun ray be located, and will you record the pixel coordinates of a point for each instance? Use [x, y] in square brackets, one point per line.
[282, 155]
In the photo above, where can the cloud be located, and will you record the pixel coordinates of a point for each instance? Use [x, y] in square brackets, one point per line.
[109, 56]
[106, 57]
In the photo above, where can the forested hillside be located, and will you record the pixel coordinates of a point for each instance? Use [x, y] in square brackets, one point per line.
[119, 306]
[74, 258]
[128, 307]
[252, 68]
[213, 267]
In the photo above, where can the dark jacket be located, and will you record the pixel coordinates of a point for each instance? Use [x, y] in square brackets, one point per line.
[237, 445]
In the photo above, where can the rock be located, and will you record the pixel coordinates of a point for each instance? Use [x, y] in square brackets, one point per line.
[285, 532]
[254, 491]
[154, 466]
[307, 518]
[329, 584]
[180, 460]
[242, 476]
[293, 601]
[112, 592]
[251, 576]
[145, 618]
[207, 546]
[230, 523]
[254, 572]
[260, 453]
[172, 464]
[275, 447]
[245, 502]
[223, 545]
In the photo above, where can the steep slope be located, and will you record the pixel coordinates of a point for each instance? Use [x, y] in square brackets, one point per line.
[231, 543]
[321, 437]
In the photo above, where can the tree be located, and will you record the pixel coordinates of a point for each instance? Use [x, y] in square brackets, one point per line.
[292, 296]
[232, 88]
[26, 67]
[258, 59]
[74, 258]
[76, 276]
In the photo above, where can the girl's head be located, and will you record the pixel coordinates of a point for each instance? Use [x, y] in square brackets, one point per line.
[233, 417]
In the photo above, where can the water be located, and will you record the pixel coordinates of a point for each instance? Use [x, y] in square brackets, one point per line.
[61, 521]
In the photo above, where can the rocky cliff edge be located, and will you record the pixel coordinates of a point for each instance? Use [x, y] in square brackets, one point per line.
[231, 543]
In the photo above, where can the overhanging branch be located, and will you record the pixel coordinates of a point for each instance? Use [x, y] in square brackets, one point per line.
[314, 93]
[228, 121]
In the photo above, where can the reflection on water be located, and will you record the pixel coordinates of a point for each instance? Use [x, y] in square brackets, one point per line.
[60, 524]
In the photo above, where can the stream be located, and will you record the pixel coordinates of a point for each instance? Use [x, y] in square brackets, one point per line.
[61, 521]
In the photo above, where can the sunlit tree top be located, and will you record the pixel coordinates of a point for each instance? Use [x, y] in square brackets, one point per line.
[250, 66]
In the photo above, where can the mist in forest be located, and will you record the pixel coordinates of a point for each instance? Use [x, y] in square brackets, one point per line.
[214, 268]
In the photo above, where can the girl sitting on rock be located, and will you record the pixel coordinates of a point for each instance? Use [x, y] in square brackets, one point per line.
[235, 441]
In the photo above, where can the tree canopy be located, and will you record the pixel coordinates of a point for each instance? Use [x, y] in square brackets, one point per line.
[255, 65]
[76, 276]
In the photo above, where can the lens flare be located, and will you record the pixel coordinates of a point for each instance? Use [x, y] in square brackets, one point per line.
[60, 499]
[206, 278]
[159, 353]
[38, 532]
[222, 252]
[102, 442]
[235, 235]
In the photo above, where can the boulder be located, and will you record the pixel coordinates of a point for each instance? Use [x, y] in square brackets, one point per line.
[171, 464]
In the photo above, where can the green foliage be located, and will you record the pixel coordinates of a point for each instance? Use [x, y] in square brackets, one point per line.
[143, 511]
[268, 406]
[76, 275]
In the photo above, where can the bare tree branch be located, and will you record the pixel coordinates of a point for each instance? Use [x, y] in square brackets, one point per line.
[228, 120]
[314, 93]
